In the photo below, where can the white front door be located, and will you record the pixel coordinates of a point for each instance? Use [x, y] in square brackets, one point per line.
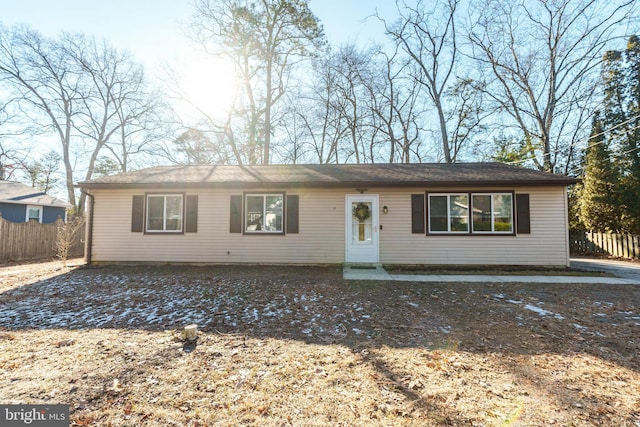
[361, 227]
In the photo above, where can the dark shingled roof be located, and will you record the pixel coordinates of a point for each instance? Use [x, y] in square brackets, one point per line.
[330, 176]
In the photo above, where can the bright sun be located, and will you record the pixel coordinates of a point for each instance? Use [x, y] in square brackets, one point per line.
[208, 83]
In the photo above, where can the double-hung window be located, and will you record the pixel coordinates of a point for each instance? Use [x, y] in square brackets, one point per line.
[448, 213]
[492, 213]
[264, 213]
[164, 213]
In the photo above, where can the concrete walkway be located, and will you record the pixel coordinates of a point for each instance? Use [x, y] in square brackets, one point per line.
[379, 273]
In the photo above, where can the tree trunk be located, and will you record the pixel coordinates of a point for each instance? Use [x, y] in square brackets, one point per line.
[267, 115]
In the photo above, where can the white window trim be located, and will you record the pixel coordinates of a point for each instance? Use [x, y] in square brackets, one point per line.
[164, 213]
[448, 195]
[264, 209]
[40, 212]
[492, 213]
[470, 229]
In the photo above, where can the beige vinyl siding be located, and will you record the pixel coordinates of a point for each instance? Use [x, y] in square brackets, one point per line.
[321, 237]
[546, 245]
[319, 241]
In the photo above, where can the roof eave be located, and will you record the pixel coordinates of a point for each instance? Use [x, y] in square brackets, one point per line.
[336, 184]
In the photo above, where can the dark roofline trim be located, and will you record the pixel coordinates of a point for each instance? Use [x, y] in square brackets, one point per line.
[27, 196]
[342, 184]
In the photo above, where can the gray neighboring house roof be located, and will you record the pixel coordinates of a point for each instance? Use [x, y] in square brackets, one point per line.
[18, 193]
[330, 176]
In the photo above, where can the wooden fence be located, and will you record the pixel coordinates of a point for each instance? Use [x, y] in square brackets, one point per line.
[20, 241]
[619, 245]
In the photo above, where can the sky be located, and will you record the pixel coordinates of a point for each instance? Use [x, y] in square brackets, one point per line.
[153, 30]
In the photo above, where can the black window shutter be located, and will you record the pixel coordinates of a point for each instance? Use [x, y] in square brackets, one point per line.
[235, 214]
[191, 222]
[523, 220]
[417, 213]
[292, 213]
[137, 214]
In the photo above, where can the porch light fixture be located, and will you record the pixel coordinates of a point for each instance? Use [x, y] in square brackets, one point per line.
[361, 190]
[385, 210]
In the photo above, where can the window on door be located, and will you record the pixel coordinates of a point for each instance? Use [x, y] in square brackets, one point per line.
[362, 225]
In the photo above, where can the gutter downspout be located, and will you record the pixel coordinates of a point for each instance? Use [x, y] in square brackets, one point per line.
[566, 227]
[88, 240]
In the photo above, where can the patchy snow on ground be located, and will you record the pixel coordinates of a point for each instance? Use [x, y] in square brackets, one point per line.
[530, 307]
[612, 319]
[166, 298]
[542, 311]
[139, 298]
[300, 346]
[144, 298]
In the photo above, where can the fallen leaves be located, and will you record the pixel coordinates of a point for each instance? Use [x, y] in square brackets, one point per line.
[65, 343]
[83, 420]
[381, 354]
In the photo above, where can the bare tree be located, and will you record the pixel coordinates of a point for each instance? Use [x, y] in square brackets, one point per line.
[465, 113]
[79, 89]
[113, 99]
[362, 106]
[295, 145]
[11, 160]
[66, 235]
[339, 112]
[11, 156]
[144, 123]
[544, 58]
[394, 98]
[47, 85]
[408, 112]
[351, 67]
[264, 39]
[428, 37]
[315, 110]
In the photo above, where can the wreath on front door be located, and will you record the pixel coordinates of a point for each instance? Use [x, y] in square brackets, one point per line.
[362, 212]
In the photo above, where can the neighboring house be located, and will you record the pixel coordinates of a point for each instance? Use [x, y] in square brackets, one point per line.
[464, 213]
[21, 203]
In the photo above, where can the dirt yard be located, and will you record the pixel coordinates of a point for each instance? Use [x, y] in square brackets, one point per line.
[303, 347]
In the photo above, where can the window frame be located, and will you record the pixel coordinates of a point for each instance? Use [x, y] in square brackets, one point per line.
[492, 194]
[40, 213]
[164, 230]
[449, 217]
[264, 196]
[470, 231]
